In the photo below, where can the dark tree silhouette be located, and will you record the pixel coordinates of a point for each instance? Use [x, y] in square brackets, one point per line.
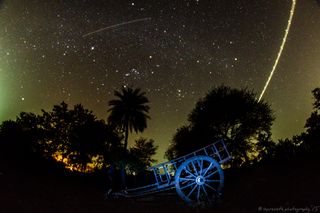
[183, 142]
[56, 126]
[312, 135]
[10, 138]
[76, 135]
[304, 145]
[20, 141]
[31, 133]
[141, 155]
[232, 114]
[87, 138]
[129, 112]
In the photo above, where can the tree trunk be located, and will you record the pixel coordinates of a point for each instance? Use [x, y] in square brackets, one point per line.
[123, 174]
[122, 164]
[126, 136]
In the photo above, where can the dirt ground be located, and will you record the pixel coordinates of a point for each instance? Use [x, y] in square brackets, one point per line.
[273, 188]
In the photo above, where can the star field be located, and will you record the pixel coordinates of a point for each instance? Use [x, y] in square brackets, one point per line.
[178, 54]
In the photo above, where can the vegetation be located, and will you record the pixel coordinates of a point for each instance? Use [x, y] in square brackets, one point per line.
[232, 114]
[141, 154]
[313, 122]
[305, 145]
[76, 139]
[129, 112]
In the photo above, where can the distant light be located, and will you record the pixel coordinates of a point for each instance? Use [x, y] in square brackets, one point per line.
[22, 99]
[92, 48]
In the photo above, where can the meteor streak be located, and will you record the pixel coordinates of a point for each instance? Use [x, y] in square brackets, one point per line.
[117, 25]
[284, 39]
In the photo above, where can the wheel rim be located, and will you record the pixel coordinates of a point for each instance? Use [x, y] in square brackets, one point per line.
[199, 180]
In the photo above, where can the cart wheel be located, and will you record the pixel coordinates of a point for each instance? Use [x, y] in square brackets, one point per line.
[199, 180]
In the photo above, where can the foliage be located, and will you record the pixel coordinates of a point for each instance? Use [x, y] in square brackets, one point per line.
[232, 114]
[141, 155]
[11, 134]
[304, 145]
[313, 122]
[74, 136]
[19, 141]
[129, 112]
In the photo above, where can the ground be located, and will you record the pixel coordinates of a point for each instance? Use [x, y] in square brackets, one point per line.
[284, 187]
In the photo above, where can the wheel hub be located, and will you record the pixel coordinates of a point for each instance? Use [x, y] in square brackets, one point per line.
[200, 180]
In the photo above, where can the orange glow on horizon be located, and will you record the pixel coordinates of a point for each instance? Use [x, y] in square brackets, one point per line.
[90, 167]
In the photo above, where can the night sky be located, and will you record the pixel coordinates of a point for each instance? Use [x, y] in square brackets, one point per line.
[177, 53]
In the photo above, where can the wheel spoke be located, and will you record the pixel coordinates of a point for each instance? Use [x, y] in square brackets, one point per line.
[190, 184]
[189, 172]
[201, 166]
[199, 179]
[187, 179]
[194, 167]
[198, 194]
[209, 175]
[207, 169]
[210, 187]
[192, 190]
[204, 189]
[189, 176]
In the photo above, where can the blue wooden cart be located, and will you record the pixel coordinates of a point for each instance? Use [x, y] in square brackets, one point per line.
[197, 177]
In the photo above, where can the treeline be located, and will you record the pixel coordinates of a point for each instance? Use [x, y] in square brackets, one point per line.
[307, 143]
[75, 139]
[245, 125]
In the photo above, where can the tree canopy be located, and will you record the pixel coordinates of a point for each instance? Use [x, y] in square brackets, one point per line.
[234, 115]
[73, 136]
[304, 145]
[313, 122]
[129, 112]
[141, 154]
[312, 135]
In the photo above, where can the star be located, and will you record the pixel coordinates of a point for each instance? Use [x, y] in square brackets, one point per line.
[181, 51]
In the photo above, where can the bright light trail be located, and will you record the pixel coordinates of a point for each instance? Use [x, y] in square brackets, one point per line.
[116, 26]
[284, 39]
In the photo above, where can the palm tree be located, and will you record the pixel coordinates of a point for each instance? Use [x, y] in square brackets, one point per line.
[129, 112]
